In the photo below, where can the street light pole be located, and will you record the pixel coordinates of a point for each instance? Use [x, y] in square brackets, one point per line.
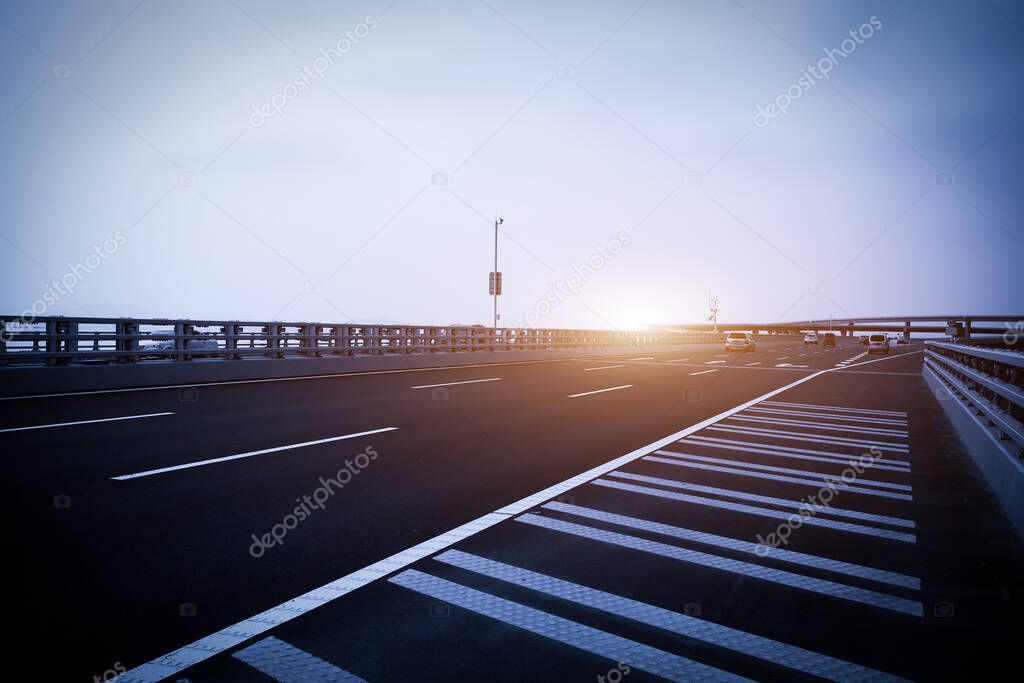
[497, 222]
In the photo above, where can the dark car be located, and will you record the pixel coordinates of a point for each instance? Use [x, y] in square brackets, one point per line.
[828, 339]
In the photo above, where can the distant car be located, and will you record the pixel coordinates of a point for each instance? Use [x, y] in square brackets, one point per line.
[864, 340]
[902, 340]
[740, 341]
[828, 339]
[160, 349]
[878, 343]
[811, 338]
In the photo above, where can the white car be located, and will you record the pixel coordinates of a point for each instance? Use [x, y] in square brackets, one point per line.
[740, 341]
[811, 338]
[878, 343]
[164, 347]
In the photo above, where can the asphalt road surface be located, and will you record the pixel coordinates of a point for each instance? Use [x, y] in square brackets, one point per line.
[153, 519]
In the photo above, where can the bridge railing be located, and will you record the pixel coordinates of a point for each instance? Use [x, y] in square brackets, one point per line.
[990, 381]
[60, 341]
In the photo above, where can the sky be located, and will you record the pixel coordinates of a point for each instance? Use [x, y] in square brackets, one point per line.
[335, 162]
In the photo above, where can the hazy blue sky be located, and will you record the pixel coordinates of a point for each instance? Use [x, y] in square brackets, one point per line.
[577, 122]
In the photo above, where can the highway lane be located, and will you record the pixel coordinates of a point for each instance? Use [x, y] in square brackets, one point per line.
[858, 606]
[118, 563]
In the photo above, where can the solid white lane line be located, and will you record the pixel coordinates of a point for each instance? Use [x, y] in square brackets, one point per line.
[703, 372]
[833, 524]
[876, 431]
[757, 363]
[604, 367]
[743, 546]
[816, 438]
[175, 661]
[838, 409]
[84, 422]
[600, 391]
[828, 416]
[286, 663]
[755, 498]
[780, 477]
[756, 571]
[792, 449]
[644, 358]
[574, 634]
[847, 460]
[250, 454]
[740, 464]
[451, 384]
[758, 647]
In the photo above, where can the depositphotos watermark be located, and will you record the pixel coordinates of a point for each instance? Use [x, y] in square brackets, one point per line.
[615, 674]
[814, 503]
[110, 674]
[570, 285]
[65, 285]
[308, 73]
[811, 74]
[1013, 333]
[308, 503]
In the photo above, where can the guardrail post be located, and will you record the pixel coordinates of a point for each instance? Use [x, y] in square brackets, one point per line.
[126, 343]
[309, 340]
[376, 340]
[51, 341]
[231, 331]
[341, 340]
[273, 333]
[67, 340]
[181, 331]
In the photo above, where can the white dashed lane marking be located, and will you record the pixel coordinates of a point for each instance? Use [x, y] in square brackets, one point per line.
[451, 384]
[600, 391]
[83, 422]
[250, 454]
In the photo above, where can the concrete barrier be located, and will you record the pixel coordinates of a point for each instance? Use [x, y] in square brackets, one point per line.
[1001, 469]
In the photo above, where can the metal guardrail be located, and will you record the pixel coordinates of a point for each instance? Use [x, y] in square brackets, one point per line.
[990, 381]
[60, 341]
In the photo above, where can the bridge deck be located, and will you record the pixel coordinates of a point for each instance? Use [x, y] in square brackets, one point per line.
[909, 571]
